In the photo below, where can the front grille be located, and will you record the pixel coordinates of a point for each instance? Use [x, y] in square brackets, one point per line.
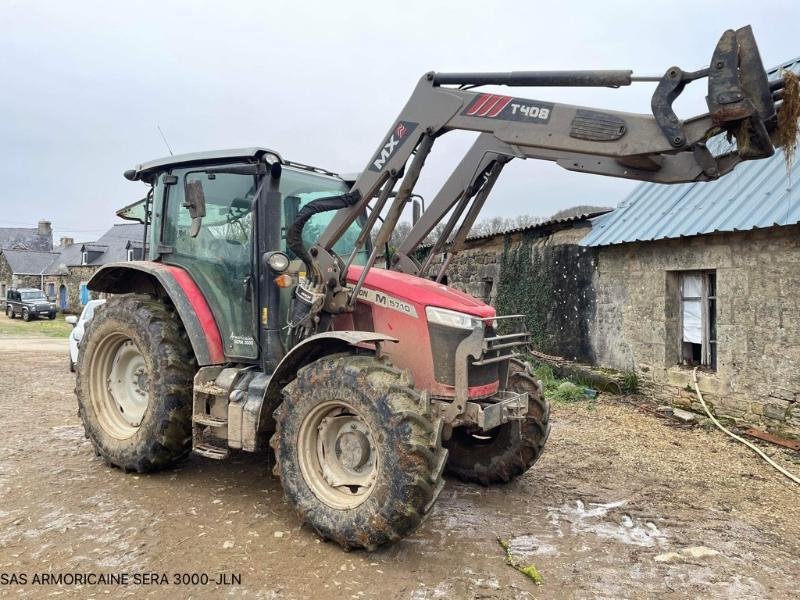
[444, 342]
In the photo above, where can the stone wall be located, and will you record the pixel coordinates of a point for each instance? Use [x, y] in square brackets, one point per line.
[552, 288]
[72, 281]
[10, 280]
[5, 279]
[757, 379]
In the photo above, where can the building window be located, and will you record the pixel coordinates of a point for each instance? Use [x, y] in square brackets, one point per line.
[2, 291]
[699, 318]
[51, 290]
[84, 258]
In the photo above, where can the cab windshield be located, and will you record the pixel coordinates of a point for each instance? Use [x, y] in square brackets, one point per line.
[301, 187]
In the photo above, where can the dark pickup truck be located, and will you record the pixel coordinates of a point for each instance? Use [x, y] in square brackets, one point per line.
[29, 303]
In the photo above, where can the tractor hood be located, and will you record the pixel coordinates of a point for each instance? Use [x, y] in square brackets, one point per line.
[420, 291]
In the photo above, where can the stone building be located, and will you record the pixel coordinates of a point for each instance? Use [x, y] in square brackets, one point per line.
[706, 275]
[63, 272]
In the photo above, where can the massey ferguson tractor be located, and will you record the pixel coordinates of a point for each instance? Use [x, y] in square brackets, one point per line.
[258, 315]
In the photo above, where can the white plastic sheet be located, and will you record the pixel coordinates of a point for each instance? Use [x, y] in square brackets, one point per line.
[692, 318]
[692, 325]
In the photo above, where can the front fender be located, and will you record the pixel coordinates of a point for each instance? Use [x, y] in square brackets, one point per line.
[158, 279]
[306, 352]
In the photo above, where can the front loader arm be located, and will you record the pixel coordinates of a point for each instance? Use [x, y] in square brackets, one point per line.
[655, 147]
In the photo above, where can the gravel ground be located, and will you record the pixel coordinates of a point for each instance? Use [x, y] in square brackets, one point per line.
[622, 505]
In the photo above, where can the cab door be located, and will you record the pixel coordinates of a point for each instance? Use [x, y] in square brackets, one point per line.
[220, 257]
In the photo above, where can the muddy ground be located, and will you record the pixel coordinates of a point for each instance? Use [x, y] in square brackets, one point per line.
[615, 509]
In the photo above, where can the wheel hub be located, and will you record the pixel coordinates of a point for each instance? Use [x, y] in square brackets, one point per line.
[338, 455]
[128, 383]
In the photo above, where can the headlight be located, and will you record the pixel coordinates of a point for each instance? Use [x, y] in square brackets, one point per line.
[278, 262]
[451, 318]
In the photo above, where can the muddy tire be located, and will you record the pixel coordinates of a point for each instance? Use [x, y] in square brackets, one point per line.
[508, 451]
[134, 384]
[10, 312]
[26, 315]
[358, 457]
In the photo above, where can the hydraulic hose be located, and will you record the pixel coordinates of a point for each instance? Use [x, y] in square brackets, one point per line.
[294, 236]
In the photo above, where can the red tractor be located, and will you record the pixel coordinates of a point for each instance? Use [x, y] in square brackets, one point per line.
[258, 315]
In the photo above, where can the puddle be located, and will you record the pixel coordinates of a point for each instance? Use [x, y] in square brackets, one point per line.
[606, 521]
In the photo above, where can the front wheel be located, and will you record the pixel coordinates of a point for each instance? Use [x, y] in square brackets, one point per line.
[26, 315]
[358, 456]
[134, 384]
[507, 451]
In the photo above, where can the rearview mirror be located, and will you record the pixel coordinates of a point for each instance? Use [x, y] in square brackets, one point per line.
[195, 201]
[72, 320]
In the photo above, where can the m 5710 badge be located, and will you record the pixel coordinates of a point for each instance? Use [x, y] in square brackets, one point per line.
[506, 108]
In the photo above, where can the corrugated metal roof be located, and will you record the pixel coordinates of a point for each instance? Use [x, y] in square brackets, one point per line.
[756, 194]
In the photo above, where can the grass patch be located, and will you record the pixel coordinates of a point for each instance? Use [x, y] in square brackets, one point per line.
[57, 328]
[562, 390]
[630, 382]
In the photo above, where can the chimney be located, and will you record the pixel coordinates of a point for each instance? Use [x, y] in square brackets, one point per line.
[66, 241]
[45, 228]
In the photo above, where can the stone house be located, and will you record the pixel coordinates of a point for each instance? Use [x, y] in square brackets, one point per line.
[706, 275]
[22, 252]
[62, 273]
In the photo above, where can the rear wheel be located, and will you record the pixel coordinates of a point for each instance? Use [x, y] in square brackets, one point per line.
[10, 312]
[359, 459]
[134, 385]
[507, 451]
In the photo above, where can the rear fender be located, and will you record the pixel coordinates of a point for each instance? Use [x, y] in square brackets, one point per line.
[304, 353]
[167, 281]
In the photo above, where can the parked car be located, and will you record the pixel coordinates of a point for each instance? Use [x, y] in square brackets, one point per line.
[29, 303]
[78, 327]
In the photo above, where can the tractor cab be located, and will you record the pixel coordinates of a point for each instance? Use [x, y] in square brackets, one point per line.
[206, 214]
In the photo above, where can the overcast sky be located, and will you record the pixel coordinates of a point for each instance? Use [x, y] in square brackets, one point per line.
[85, 84]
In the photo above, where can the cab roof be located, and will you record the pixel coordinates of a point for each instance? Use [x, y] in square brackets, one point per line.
[248, 154]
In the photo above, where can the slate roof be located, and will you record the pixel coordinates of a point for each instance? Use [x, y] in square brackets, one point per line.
[115, 241]
[757, 194]
[24, 238]
[28, 262]
[112, 246]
